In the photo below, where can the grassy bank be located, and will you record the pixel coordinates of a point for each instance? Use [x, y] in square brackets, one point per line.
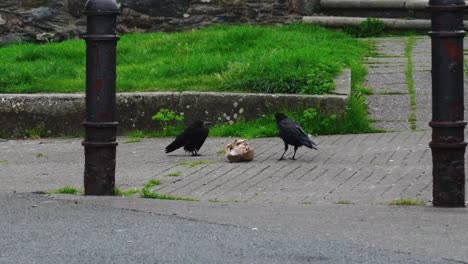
[287, 59]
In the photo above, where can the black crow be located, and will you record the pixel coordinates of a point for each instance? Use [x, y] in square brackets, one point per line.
[292, 134]
[192, 138]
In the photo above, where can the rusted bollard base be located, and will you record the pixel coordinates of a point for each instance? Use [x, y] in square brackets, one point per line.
[448, 176]
[99, 174]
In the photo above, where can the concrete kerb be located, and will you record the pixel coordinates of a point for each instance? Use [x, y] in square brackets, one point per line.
[390, 23]
[63, 114]
[375, 4]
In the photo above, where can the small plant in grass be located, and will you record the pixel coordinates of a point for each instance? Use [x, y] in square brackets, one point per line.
[147, 192]
[407, 201]
[182, 163]
[320, 80]
[166, 117]
[151, 183]
[367, 91]
[308, 203]
[65, 190]
[351, 30]
[371, 27]
[174, 174]
[132, 140]
[136, 134]
[194, 163]
[120, 192]
[37, 132]
[317, 122]
[39, 154]
[344, 202]
[3, 162]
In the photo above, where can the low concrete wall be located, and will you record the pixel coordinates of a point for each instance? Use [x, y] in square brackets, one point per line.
[63, 114]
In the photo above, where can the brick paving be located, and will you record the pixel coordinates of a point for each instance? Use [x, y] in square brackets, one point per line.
[364, 168]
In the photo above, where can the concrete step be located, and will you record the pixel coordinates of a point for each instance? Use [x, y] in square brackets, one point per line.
[375, 8]
[390, 23]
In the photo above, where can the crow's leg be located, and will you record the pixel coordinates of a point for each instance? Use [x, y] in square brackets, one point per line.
[194, 153]
[295, 149]
[285, 149]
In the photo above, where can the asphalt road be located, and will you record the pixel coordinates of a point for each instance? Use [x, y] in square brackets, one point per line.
[41, 229]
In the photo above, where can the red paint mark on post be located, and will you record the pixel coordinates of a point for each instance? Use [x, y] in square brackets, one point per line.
[455, 53]
[456, 111]
[103, 116]
[95, 51]
[98, 84]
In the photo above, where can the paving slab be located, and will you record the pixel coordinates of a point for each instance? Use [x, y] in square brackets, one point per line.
[423, 125]
[387, 60]
[377, 88]
[423, 87]
[423, 100]
[395, 107]
[391, 113]
[422, 77]
[385, 79]
[383, 68]
[421, 67]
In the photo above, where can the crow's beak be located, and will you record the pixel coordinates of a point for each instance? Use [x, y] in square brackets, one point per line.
[207, 123]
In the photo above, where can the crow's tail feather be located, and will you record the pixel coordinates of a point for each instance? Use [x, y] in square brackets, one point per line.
[174, 145]
[309, 143]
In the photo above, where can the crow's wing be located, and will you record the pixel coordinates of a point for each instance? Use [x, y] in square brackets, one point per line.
[306, 141]
[195, 138]
[293, 134]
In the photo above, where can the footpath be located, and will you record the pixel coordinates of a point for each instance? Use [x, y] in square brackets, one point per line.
[339, 194]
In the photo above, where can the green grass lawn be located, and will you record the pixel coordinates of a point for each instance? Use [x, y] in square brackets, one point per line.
[286, 59]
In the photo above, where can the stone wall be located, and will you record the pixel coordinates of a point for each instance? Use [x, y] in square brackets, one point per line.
[56, 20]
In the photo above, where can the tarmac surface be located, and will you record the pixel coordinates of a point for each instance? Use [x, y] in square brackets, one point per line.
[331, 205]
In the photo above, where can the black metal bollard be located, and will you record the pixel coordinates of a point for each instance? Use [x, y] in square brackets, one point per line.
[448, 145]
[101, 127]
